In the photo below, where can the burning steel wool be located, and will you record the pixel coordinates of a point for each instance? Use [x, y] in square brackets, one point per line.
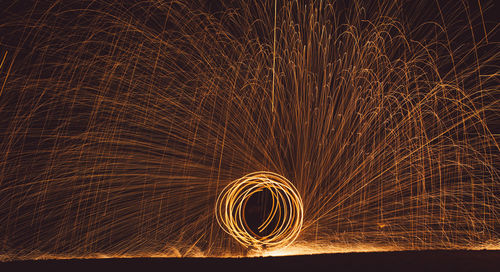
[282, 221]
[206, 128]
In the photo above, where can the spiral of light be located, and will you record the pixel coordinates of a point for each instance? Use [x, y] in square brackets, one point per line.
[286, 211]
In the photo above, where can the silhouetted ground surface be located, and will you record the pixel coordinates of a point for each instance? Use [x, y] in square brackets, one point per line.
[441, 260]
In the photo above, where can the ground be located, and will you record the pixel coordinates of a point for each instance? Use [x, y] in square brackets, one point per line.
[437, 260]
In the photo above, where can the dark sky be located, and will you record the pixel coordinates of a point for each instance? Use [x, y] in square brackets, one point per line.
[121, 121]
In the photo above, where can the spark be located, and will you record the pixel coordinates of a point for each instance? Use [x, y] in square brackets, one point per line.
[123, 125]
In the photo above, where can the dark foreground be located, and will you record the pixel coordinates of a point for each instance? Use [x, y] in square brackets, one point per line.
[440, 260]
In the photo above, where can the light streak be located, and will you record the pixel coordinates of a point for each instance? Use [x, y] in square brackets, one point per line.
[286, 209]
[123, 122]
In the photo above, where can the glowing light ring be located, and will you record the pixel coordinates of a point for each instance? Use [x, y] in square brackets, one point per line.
[287, 209]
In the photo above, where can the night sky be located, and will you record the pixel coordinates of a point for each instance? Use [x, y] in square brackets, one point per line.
[374, 126]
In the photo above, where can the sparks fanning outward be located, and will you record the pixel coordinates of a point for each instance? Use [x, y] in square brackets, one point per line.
[122, 123]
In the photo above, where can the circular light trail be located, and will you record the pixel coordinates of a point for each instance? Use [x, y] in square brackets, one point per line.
[282, 222]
